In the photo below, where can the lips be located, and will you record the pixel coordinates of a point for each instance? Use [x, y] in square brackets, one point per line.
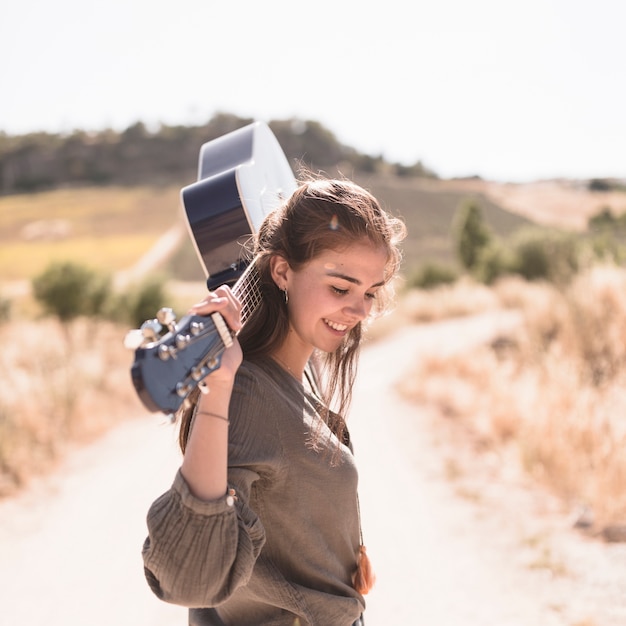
[340, 328]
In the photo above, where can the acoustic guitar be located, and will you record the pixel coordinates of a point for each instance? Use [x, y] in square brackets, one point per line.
[242, 177]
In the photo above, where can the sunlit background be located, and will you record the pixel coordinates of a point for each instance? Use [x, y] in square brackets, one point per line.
[510, 91]
[488, 413]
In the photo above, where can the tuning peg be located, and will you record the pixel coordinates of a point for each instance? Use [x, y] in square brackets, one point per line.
[151, 330]
[134, 339]
[167, 317]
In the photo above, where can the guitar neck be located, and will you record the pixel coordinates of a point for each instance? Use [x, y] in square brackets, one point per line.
[247, 291]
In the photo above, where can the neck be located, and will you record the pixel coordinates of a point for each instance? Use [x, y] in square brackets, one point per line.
[293, 364]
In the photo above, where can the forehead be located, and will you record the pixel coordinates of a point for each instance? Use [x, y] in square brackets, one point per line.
[361, 261]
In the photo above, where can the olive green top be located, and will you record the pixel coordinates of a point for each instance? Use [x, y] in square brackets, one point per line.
[285, 548]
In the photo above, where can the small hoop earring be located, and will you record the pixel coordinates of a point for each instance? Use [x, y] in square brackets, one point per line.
[286, 295]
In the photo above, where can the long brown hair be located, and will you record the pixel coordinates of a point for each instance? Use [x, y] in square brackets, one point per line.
[320, 215]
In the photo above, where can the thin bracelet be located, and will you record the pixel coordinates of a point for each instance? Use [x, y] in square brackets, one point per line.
[214, 415]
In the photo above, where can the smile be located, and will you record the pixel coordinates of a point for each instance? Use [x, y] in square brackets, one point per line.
[338, 327]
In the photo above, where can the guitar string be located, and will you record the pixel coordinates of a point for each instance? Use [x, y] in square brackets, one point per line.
[246, 289]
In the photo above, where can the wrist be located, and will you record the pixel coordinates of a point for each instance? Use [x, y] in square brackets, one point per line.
[213, 415]
[218, 386]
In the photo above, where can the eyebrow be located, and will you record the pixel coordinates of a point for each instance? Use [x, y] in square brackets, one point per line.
[351, 279]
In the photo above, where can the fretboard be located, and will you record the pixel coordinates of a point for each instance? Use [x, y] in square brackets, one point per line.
[247, 291]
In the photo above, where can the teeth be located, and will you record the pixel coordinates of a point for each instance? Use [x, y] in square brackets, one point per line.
[335, 326]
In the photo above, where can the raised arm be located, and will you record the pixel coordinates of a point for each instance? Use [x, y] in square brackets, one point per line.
[205, 461]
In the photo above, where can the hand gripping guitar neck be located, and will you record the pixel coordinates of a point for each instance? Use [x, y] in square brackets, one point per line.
[168, 367]
[242, 177]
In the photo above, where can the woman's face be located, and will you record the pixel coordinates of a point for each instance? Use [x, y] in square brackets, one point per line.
[332, 293]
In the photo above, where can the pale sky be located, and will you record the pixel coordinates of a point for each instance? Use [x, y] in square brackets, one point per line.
[510, 91]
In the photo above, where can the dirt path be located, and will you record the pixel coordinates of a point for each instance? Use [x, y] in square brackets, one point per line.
[477, 551]
[70, 546]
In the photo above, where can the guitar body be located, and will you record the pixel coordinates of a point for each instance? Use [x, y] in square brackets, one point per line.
[242, 177]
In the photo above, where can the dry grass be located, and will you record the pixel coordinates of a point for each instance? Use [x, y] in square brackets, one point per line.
[20, 259]
[57, 392]
[465, 297]
[561, 203]
[554, 391]
[106, 227]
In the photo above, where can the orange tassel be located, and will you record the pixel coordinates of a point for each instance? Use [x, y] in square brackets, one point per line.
[364, 577]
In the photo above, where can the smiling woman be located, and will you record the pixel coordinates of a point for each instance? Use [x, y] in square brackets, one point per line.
[262, 523]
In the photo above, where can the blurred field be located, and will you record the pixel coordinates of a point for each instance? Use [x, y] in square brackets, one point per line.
[108, 228]
[111, 228]
[554, 390]
[57, 392]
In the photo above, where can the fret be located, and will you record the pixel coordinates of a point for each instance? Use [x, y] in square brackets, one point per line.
[247, 291]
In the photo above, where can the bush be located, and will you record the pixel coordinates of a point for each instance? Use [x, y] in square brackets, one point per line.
[600, 184]
[142, 302]
[541, 254]
[5, 309]
[606, 248]
[495, 260]
[433, 274]
[69, 290]
[602, 220]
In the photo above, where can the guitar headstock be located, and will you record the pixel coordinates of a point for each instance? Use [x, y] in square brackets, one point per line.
[173, 358]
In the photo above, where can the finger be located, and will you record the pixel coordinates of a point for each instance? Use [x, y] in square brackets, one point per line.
[210, 303]
[232, 312]
[223, 301]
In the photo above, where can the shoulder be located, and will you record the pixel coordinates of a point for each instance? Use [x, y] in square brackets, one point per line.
[262, 388]
[265, 378]
[255, 377]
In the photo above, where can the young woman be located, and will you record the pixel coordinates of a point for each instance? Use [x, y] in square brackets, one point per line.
[261, 525]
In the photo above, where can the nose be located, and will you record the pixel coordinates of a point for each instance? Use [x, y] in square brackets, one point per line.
[358, 308]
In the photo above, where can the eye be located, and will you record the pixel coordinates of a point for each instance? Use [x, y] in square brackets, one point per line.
[370, 296]
[338, 291]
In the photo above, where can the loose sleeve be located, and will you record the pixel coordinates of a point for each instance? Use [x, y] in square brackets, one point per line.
[198, 553]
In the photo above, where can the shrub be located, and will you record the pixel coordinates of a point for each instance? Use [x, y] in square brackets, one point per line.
[600, 184]
[495, 261]
[5, 309]
[606, 248]
[141, 302]
[603, 219]
[545, 254]
[69, 290]
[432, 274]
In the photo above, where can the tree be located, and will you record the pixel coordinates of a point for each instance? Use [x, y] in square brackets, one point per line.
[471, 234]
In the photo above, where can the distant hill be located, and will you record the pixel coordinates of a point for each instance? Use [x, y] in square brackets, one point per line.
[109, 196]
[559, 203]
[167, 155]
[428, 207]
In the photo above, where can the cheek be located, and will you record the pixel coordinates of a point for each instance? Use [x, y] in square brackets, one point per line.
[307, 305]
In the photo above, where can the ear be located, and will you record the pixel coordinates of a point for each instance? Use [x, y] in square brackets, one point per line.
[279, 268]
